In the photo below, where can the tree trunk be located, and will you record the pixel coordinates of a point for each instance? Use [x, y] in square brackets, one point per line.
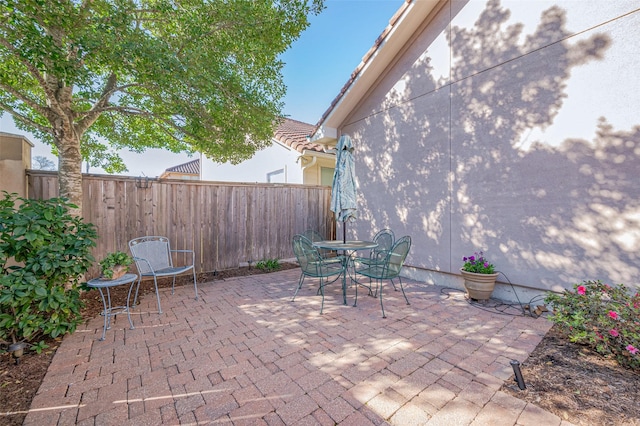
[70, 171]
[67, 140]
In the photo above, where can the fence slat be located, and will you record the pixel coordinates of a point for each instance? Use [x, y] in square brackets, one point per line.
[226, 224]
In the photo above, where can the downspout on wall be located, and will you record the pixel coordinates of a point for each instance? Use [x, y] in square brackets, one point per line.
[311, 163]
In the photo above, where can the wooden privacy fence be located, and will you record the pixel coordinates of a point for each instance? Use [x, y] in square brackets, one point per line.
[226, 224]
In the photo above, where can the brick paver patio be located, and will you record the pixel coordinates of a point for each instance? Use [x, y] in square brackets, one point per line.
[244, 354]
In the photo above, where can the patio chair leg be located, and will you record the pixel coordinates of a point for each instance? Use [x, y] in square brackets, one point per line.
[403, 293]
[321, 292]
[355, 301]
[155, 283]
[381, 305]
[195, 282]
[129, 307]
[394, 285]
[173, 285]
[300, 281]
[135, 299]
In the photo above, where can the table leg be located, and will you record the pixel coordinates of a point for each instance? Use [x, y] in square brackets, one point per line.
[345, 265]
[110, 309]
[104, 312]
[107, 310]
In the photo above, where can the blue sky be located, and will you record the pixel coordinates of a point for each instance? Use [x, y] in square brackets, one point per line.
[320, 62]
[316, 67]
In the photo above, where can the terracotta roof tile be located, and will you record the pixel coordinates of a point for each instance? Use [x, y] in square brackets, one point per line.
[294, 134]
[291, 133]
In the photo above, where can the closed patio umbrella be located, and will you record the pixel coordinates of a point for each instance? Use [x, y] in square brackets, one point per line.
[343, 190]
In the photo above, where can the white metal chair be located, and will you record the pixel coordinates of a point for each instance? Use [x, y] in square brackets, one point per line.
[154, 258]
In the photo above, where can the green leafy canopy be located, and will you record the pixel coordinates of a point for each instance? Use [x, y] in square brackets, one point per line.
[180, 75]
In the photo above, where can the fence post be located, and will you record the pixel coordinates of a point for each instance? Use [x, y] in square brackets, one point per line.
[15, 159]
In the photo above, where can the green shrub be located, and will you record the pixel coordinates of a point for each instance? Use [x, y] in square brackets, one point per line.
[268, 265]
[604, 317]
[44, 253]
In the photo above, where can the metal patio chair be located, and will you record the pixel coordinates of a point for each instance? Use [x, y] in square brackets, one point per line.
[154, 258]
[388, 269]
[314, 265]
[385, 239]
[327, 255]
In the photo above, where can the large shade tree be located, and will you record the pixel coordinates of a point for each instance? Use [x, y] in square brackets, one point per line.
[91, 77]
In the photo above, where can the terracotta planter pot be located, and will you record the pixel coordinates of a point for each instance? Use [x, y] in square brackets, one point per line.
[118, 271]
[479, 286]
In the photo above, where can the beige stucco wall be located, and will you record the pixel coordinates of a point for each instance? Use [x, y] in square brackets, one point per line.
[312, 174]
[512, 128]
[15, 158]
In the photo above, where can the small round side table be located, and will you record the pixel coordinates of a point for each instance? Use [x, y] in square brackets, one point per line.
[111, 311]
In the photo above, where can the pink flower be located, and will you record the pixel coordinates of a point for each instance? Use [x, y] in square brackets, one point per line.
[632, 349]
[582, 289]
[614, 332]
[613, 314]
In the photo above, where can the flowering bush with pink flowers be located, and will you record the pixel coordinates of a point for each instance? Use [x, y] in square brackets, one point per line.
[604, 317]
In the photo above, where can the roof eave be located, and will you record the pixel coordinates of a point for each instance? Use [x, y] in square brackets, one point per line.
[401, 28]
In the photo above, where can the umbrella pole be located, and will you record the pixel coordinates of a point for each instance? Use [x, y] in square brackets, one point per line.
[344, 232]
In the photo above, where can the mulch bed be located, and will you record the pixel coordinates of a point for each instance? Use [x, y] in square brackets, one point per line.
[578, 385]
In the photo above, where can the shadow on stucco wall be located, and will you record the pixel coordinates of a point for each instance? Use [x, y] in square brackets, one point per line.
[440, 159]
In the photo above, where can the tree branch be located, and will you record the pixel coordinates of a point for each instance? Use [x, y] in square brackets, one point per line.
[98, 108]
[35, 73]
[21, 97]
[165, 123]
[24, 119]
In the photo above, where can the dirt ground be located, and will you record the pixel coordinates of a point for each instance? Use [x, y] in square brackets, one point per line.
[566, 379]
[578, 385]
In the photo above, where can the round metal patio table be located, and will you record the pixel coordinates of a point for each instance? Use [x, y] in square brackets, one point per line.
[111, 311]
[345, 246]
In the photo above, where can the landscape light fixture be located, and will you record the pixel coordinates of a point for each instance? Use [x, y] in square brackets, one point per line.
[17, 350]
[516, 370]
